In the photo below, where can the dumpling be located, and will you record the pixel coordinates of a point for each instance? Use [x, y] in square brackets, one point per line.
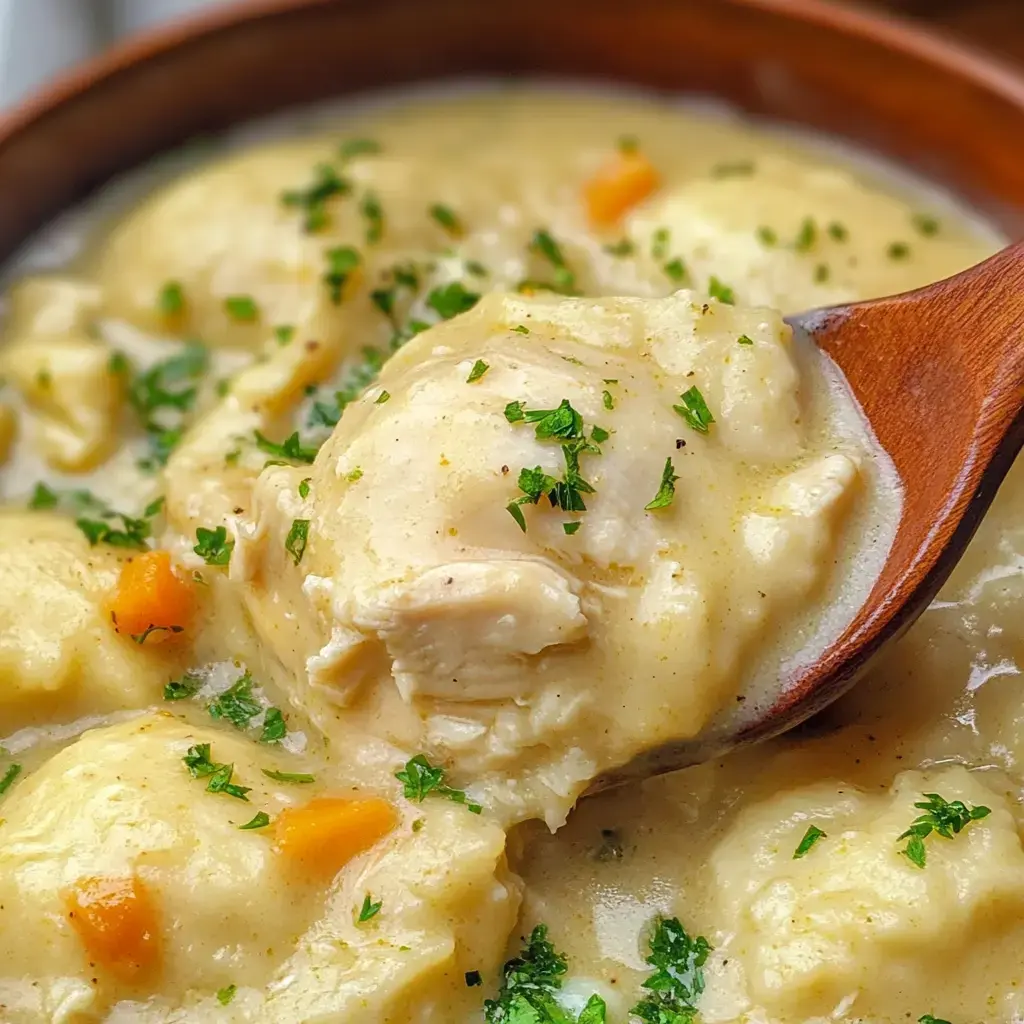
[854, 920]
[520, 641]
[136, 888]
[59, 653]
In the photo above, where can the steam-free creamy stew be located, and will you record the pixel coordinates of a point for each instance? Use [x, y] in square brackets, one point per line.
[370, 492]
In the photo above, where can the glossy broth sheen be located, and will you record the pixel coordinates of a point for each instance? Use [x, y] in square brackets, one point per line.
[370, 596]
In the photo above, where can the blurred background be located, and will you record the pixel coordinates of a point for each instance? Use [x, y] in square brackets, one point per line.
[40, 37]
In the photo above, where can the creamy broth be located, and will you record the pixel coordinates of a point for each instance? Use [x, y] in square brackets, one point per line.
[400, 591]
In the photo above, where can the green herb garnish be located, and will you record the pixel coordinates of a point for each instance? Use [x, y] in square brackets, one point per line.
[451, 299]
[213, 546]
[898, 251]
[811, 836]
[675, 270]
[352, 148]
[226, 994]
[666, 490]
[371, 209]
[943, 817]
[260, 820]
[926, 224]
[543, 244]
[284, 334]
[200, 766]
[171, 300]
[312, 200]
[660, 243]
[43, 497]
[299, 778]
[678, 978]
[242, 308]
[837, 232]
[236, 704]
[479, 369]
[184, 688]
[734, 169]
[342, 262]
[8, 777]
[369, 909]
[274, 726]
[745, 339]
[291, 448]
[720, 291]
[625, 247]
[448, 219]
[806, 236]
[420, 778]
[767, 236]
[295, 542]
[695, 410]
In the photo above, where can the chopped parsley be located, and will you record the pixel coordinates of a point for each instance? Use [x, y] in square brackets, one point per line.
[184, 688]
[312, 200]
[134, 533]
[660, 243]
[675, 270]
[695, 410]
[236, 704]
[479, 369]
[420, 778]
[837, 231]
[259, 820]
[242, 308]
[898, 251]
[451, 299]
[200, 766]
[929, 1019]
[621, 248]
[373, 212]
[570, 528]
[299, 778]
[274, 726]
[628, 144]
[521, 329]
[295, 542]
[811, 836]
[529, 984]
[821, 273]
[359, 377]
[171, 300]
[226, 994]
[543, 244]
[667, 489]
[943, 817]
[563, 424]
[678, 979]
[806, 236]
[722, 292]
[767, 236]
[213, 546]
[448, 219]
[383, 397]
[599, 435]
[927, 225]
[369, 909]
[398, 277]
[352, 148]
[43, 497]
[8, 777]
[745, 339]
[733, 169]
[284, 334]
[342, 262]
[291, 448]
[304, 487]
[141, 638]
[607, 401]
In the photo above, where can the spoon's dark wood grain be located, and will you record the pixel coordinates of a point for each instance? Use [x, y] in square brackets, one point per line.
[939, 374]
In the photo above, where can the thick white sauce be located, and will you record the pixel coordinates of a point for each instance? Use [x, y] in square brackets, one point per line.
[573, 649]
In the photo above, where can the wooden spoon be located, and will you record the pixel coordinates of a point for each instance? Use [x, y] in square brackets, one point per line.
[939, 374]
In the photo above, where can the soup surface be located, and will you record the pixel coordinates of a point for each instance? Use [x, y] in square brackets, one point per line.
[369, 490]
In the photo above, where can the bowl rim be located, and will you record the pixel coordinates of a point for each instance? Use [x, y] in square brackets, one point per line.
[961, 60]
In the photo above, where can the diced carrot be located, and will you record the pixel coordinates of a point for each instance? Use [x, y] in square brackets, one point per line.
[116, 920]
[151, 603]
[619, 186]
[321, 837]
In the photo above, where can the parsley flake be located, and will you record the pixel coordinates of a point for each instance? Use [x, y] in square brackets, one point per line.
[304, 487]
[624, 247]
[171, 300]
[284, 334]
[925, 224]
[8, 777]
[667, 489]
[213, 546]
[767, 236]
[295, 542]
[521, 329]
[745, 339]
[695, 410]
[420, 778]
[242, 308]
[811, 836]
[373, 212]
[236, 704]
[837, 231]
[675, 270]
[226, 994]
[274, 726]
[720, 291]
[660, 242]
[342, 262]
[451, 299]
[678, 979]
[369, 909]
[898, 251]
[259, 820]
[943, 817]
[806, 236]
[543, 244]
[448, 219]
[607, 401]
[479, 369]
[312, 200]
[299, 778]
[200, 766]
[290, 448]
[351, 148]
[184, 688]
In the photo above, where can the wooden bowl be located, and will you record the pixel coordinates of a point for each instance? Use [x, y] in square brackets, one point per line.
[954, 115]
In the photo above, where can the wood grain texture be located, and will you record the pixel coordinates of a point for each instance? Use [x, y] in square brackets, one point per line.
[872, 81]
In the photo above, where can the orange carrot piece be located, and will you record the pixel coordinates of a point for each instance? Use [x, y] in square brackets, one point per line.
[116, 920]
[619, 186]
[321, 837]
[151, 603]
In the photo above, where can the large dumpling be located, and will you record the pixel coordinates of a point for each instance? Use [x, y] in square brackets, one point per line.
[136, 890]
[535, 643]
